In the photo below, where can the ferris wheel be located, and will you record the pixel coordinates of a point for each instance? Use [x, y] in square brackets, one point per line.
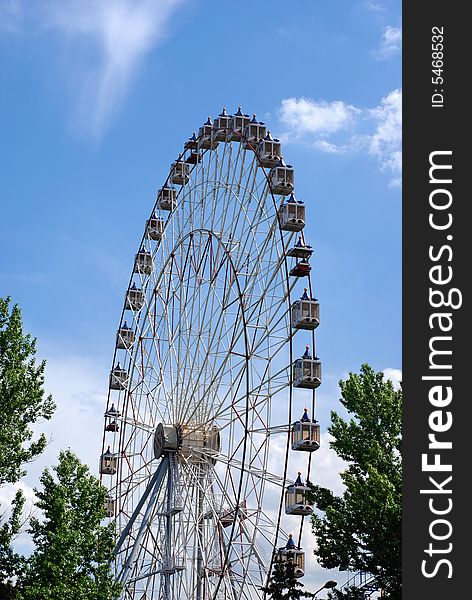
[199, 424]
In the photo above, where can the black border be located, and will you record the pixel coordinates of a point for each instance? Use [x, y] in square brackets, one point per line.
[426, 129]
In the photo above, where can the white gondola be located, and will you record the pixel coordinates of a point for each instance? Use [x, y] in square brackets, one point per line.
[192, 142]
[221, 126]
[134, 298]
[124, 337]
[292, 215]
[112, 412]
[296, 500]
[109, 506]
[194, 158]
[300, 250]
[155, 228]
[207, 138]
[239, 121]
[305, 314]
[254, 132]
[118, 378]
[108, 463]
[294, 555]
[269, 151]
[143, 262]
[281, 178]
[305, 436]
[166, 198]
[307, 373]
[179, 172]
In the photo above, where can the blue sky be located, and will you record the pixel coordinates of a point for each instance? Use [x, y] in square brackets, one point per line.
[96, 100]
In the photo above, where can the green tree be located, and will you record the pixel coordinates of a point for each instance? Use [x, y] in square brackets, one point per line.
[11, 563]
[283, 585]
[22, 404]
[350, 593]
[73, 549]
[22, 397]
[362, 529]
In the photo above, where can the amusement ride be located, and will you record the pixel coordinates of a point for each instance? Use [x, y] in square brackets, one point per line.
[205, 407]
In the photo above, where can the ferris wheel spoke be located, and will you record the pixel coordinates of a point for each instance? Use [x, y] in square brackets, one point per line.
[203, 330]
[253, 471]
[262, 339]
[202, 326]
[281, 377]
[222, 336]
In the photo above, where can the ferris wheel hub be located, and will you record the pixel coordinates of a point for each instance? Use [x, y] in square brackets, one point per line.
[193, 442]
[166, 438]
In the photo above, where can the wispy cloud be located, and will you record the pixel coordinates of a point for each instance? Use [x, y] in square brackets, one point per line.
[385, 143]
[374, 6]
[390, 43]
[338, 127]
[105, 43]
[120, 33]
[11, 16]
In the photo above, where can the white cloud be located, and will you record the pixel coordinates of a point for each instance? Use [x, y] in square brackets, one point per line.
[390, 43]
[22, 541]
[104, 43]
[7, 495]
[77, 385]
[328, 466]
[385, 143]
[395, 375]
[302, 116]
[329, 147]
[337, 127]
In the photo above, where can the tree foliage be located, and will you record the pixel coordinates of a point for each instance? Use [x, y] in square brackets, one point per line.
[350, 593]
[73, 549]
[283, 585]
[22, 397]
[11, 563]
[22, 404]
[361, 530]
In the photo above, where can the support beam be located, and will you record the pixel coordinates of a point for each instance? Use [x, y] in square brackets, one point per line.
[158, 478]
[139, 506]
